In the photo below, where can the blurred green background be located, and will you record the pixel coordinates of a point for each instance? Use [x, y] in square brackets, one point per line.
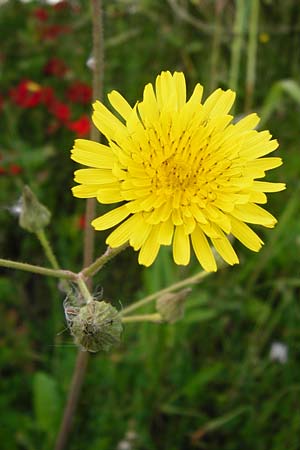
[228, 375]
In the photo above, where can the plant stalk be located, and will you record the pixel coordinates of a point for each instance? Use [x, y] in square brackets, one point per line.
[236, 46]
[83, 357]
[251, 55]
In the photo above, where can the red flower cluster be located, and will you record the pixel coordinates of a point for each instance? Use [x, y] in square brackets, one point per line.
[13, 169]
[26, 94]
[79, 92]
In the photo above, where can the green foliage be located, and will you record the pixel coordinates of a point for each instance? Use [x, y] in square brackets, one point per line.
[207, 381]
[46, 404]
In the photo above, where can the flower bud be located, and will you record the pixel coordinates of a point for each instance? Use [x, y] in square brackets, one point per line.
[33, 215]
[97, 326]
[171, 305]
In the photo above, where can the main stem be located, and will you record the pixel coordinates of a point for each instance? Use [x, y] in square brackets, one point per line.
[83, 357]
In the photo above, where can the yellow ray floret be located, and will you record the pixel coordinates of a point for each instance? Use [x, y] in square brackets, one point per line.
[184, 175]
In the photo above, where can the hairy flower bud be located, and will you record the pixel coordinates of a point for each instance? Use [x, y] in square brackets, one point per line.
[33, 215]
[96, 326]
[171, 305]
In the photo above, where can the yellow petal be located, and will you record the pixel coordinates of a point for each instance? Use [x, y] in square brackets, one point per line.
[180, 88]
[111, 218]
[224, 248]
[245, 235]
[203, 251]
[106, 122]
[258, 197]
[219, 103]
[86, 191]
[110, 193]
[94, 176]
[122, 234]
[120, 104]
[252, 213]
[93, 154]
[264, 186]
[150, 249]
[140, 231]
[181, 246]
[148, 108]
[258, 146]
[247, 123]
[165, 233]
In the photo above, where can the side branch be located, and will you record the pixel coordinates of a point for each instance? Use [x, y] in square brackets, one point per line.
[103, 259]
[64, 274]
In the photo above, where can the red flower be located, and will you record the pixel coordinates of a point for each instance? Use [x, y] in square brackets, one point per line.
[81, 222]
[81, 126]
[41, 14]
[79, 92]
[15, 169]
[55, 67]
[2, 171]
[27, 94]
[52, 31]
[47, 96]
[60, 110]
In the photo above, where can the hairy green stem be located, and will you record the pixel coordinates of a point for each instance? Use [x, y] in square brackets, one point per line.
[103, 259]
[173, 287]
[58, 273]
[84, 290]
[47, 249]
[41, 235]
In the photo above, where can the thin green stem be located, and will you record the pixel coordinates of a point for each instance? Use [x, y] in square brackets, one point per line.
[47, 249]
[58, 273]
[251, 54]
[84, 290]
[41, 235]
[103, 259]
[216, 46]
[236, 47]
[156, 318]
[173, 287]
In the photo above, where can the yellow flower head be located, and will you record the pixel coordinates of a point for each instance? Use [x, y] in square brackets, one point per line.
[184, 174]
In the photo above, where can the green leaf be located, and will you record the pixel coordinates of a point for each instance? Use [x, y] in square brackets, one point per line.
[46, 401]
[277, 91]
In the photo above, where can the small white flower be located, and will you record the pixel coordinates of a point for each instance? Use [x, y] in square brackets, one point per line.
[16, 208]
[279, 352]
[91, 63]
[124, 445]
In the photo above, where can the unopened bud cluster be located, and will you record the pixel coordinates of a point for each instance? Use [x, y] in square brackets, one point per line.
[96, 326]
